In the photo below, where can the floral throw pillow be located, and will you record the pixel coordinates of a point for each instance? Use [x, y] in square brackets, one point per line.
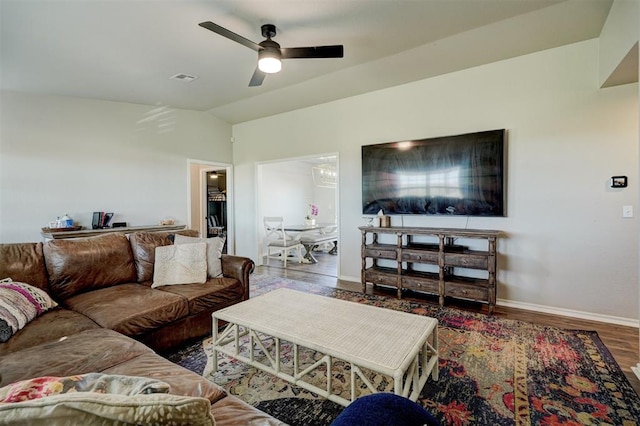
[96, 398]
[20, 303]
[40, 387]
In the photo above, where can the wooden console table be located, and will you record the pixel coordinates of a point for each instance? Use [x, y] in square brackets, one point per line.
[93, 232]
[394, 263]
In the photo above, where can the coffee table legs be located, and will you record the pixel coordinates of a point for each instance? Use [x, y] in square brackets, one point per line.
[408, 382]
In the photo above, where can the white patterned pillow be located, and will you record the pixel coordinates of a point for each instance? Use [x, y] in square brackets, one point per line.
[95, 408]
[214, 251]
[180, 264]
[20, 303]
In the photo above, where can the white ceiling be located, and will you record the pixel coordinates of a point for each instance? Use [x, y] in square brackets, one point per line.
[126, 51]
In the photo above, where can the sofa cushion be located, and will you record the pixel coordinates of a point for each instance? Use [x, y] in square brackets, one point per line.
[215, 294]
[215, 245]
[129, 309]
[91, 408]
[20, 303]
[181, 381]
[84, 352]
[180, 264]
[143, 246]
[24, 262]
[52, 325]
[84, 264]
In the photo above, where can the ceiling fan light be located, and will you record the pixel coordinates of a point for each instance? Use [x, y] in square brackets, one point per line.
[269, 62]
[270, 65]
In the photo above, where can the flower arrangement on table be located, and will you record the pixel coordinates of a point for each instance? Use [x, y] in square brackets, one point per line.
[310, 218]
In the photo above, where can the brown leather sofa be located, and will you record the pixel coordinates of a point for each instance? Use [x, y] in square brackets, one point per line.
[109, 319]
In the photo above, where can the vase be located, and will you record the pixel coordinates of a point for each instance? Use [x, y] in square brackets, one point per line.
[310, 222]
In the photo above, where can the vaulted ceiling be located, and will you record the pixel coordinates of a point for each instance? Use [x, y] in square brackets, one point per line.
[126, 51]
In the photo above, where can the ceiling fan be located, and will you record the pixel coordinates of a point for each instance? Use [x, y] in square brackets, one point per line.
[270, 53]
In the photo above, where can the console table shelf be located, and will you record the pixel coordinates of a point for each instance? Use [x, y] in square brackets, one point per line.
[94, 232]
[404, 264]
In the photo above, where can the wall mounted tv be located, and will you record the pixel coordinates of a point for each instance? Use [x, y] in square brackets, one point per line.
[452, 175]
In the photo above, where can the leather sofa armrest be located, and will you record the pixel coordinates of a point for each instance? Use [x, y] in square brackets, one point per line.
[239, 268]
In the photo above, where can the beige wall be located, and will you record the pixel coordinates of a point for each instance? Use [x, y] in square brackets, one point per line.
[68, 155]
[567, 248]
[619, 43]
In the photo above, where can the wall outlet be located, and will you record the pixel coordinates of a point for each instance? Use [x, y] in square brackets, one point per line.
[627, 211]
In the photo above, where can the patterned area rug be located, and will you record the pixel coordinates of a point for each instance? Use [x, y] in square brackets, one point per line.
[492, 371]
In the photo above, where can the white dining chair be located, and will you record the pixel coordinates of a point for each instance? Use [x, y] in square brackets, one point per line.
[278, 244]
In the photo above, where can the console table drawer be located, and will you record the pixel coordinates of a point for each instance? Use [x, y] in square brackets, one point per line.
[466, 291]
[421, 284]
[420, 256]
[466, 260]
[377, 253]
[379, 277]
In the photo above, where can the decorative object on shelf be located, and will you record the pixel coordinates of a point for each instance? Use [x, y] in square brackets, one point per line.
[383, 220]
[101, 220]
[310, 218]
[371, 220]
[618, 182]
[64, 223]
[167, 222]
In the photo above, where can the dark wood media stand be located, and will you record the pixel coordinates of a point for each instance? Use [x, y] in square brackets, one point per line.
[394, 264]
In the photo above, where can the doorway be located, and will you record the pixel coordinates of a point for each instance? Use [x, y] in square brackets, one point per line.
[288, 188]
[210, 200]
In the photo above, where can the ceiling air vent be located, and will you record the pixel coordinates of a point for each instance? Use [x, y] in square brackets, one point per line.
[183, 77]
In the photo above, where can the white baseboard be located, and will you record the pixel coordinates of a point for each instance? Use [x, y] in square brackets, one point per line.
[348, 278]
[628, 322]
[636, 369]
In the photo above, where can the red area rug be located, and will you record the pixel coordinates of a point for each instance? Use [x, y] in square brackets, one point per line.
[492, 371]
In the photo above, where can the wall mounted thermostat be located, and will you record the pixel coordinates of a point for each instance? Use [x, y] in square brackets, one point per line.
[619, 182]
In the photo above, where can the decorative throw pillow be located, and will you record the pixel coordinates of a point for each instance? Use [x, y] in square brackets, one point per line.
[214, 251]
[180, 264]
[101, 399]
[20, 303]
[40, 387]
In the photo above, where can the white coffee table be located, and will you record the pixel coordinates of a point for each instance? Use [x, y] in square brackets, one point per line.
[399, 345]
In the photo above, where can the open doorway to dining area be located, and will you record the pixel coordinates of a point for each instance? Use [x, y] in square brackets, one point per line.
[303, 194]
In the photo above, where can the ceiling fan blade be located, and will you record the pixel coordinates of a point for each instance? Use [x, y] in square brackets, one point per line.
[257, 78]
[230, 35]
[336, 51]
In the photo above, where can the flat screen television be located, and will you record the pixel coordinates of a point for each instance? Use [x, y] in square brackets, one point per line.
[452, 175]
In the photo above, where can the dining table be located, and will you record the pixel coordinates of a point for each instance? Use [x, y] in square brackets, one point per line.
[308, 228]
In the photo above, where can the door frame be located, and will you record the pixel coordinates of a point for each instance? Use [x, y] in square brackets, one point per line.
[198, 186]
[260, 198]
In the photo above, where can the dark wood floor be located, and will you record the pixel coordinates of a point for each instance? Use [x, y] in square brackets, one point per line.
[327, 264]
[622, 341]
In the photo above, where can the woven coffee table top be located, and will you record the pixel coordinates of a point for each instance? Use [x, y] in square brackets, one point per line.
[378, 338]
